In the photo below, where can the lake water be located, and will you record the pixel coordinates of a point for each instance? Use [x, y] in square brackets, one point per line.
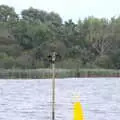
[31, 99]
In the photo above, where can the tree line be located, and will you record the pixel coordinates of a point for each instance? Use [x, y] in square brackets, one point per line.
[27, 39]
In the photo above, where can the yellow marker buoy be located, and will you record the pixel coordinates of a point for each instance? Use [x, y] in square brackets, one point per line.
[78, 111]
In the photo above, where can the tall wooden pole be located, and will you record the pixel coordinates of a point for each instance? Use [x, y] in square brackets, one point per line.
[53, 85]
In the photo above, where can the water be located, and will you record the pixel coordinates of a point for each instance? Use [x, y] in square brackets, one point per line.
[31, 99]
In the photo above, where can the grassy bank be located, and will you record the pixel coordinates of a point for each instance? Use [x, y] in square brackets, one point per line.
[60, 73]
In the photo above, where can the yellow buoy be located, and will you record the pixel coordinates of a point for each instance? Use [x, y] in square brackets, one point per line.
[78, 111]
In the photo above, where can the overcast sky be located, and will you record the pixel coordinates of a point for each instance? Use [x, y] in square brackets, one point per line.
[68, 9]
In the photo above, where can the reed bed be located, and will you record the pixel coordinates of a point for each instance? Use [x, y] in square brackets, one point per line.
[60, 73]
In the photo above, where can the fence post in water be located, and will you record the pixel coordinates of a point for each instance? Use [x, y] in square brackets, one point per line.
[53, 92]
[52, 59]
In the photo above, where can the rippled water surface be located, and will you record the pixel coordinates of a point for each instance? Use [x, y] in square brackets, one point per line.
[31, 99]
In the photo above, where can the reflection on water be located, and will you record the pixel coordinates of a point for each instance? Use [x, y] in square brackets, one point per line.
[31, 99]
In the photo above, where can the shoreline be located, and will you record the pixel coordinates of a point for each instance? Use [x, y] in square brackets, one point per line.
[60, 73]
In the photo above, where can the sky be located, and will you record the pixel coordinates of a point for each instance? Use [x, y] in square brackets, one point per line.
[70, 9]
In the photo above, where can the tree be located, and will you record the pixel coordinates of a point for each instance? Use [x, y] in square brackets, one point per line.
[32, 15]
[7, 13]
[31, 35]
[54, 18]
[92, 42]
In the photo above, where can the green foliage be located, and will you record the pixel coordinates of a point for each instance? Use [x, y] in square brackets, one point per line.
[36, 16]
[24, 61]
[31, 35]
[26, 42]
[12, 50]
[6, 61]
[103, 62]
[69, 64]
[7, 13]
[115, 56]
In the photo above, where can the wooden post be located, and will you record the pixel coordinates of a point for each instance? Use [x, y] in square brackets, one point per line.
[53, 92]
[53, 85]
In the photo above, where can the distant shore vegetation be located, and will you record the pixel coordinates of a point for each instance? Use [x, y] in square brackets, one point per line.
[27, 39]
[60, 73]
